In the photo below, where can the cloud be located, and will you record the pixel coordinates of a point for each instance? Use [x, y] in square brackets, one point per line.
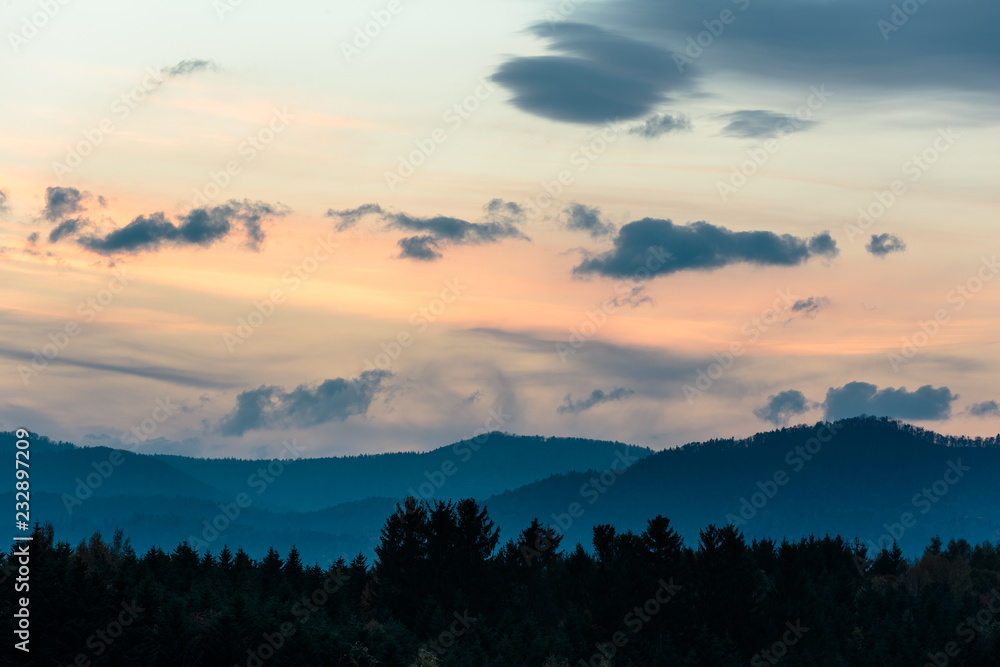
[596, 397]
[660, 124]
[699, 246]
[883, 244]
[190, 67]
[271, 407]
[809, 307]
[862, 398]
[66, 228]
[4, 207]
[847, 43]
[200, 227]
[351, 216]
[985, 409]
[783, 406]
[63, 202]
[598, 76]
[164, 374]
[653, 371]
[582, 218]
[635, 298]
[824, 245]
[419, 247]
[761, 124]
[500, 221]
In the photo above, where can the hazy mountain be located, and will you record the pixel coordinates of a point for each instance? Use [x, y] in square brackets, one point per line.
[865, 477]
[863, 482]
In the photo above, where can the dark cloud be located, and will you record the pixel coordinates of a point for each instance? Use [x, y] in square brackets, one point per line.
[883, 244]
[862, 398]
[809, 307]
[190, 67]
[419, 247]
[271, 407]
[698, 246]
[505, 212]
[985, 409]
[596, 397]
[823, 244]
[761, 124]
[845, 43]
[660, 124]
[599, 75]
[500, 221]
[63, 202]
[582, 218]
[66, 228]
[4, 207]
[783, 406]
[443, 229]
[200, 226]
[161, 373]
[635, 298]
[351, 216]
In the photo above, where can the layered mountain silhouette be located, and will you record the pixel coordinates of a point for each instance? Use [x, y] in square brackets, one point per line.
[874, 479]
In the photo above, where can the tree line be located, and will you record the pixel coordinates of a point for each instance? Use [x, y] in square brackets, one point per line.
[444, 590]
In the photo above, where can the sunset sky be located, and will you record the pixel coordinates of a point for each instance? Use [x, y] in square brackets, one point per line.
[547, 218]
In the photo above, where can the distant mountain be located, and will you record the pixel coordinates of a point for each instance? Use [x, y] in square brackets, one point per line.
[872, 478]
[493, 463]
[325, 505]
[876, 479]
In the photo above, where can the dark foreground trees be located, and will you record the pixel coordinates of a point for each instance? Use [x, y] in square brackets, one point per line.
[444, 590]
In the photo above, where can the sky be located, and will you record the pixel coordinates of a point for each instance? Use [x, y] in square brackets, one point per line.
[389, 225]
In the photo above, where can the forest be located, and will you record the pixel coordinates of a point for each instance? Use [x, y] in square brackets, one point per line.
[445, 589]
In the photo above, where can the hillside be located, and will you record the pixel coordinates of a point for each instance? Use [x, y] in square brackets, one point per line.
[867, 480]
